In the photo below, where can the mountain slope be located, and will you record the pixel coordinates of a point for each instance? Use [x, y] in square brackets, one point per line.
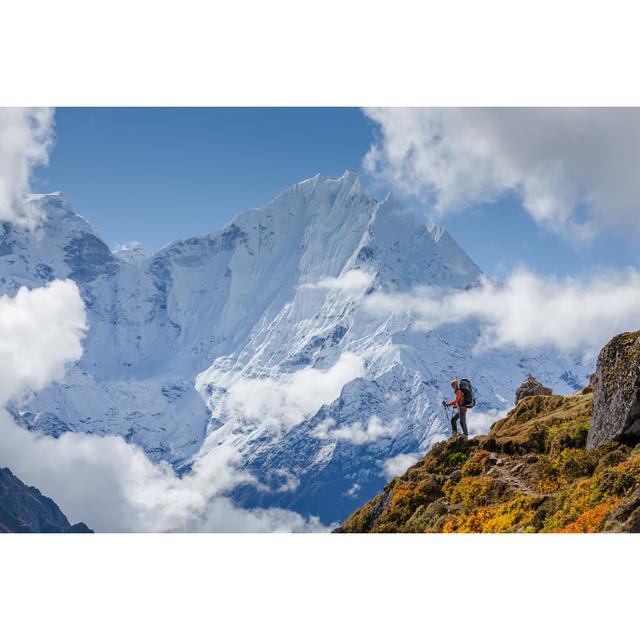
[530, 473]
[24, 509]
[259, 335]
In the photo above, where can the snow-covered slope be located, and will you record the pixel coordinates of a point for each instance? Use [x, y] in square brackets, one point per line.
[259, 334]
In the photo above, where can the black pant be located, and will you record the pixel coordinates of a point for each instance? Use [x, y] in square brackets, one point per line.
[461, 414]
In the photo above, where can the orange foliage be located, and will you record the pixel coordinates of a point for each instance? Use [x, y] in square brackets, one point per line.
[591, 521]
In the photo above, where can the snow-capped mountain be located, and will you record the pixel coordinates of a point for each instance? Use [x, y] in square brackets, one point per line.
[260, 335]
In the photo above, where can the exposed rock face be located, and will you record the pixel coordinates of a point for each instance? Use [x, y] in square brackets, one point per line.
[531, 387]
[616, 399]
[24, 509]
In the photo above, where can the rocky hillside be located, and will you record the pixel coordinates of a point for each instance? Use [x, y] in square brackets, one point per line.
[24, 509]
[533, 471]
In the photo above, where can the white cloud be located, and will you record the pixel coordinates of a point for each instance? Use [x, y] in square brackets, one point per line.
[352, 282]
[528, 311]
[353, 491]
[283, 402]
[479, 423]
[104, 481]
[397, 465]
[41, 331]
[357, 432]
[113, 486]
[284, 480]
[26, 136]
[574, 169]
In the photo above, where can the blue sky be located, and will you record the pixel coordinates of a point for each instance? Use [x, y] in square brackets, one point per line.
[156, 175]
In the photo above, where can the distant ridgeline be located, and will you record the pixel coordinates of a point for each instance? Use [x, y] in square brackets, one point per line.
[24, 509]
[554, 464]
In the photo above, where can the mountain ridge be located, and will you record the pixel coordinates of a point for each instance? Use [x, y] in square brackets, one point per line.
[176, 337]
[23, 509]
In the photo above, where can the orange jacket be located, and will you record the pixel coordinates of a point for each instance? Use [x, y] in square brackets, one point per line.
[458, 401]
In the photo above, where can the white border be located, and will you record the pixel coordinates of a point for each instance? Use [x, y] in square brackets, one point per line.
[318, 586]
[335, 52]
[318, 53]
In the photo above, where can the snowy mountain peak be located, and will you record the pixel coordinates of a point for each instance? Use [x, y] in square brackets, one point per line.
[132, 252]
[325, 192]
[261, 335]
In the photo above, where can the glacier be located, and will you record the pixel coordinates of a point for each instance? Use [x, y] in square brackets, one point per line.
[258, 335]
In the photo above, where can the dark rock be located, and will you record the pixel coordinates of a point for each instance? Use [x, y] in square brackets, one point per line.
[24, 509]
[531, 459]
[490, 444]
[79, 527]
[626, 517]
[616, 397]
[531, 387]
[454, 476]
[88, 258]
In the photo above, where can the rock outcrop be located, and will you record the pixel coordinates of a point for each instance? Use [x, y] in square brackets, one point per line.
[616, 398]
[24, 509]
[531, 387]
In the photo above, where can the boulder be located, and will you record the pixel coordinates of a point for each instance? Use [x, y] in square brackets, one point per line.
[616, 397]
[531, 387]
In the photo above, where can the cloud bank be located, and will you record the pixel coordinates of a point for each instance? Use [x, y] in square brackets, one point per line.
[41, 331]
[573, 169]
[527, 311]
[113, 486]
[358, 432]
[26, 137]
[287, 401]
[106, 482]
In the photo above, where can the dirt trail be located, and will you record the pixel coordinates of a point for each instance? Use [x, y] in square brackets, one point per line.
[510, 471]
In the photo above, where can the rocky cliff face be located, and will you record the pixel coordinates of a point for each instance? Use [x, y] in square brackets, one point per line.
[616, 399]
[531, 473]
[24, 509]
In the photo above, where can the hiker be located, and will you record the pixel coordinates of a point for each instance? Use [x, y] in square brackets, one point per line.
[463, 400]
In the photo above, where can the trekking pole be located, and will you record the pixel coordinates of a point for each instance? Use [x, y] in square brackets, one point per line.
[446, 412]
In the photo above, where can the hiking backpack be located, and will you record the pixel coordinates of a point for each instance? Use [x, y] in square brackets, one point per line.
[467, 392]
